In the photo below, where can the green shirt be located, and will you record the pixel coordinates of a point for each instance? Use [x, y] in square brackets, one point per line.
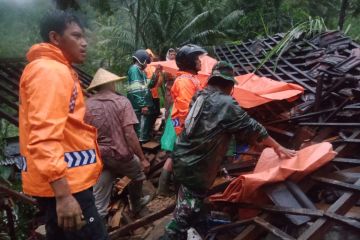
[202, 145]
[139, 88]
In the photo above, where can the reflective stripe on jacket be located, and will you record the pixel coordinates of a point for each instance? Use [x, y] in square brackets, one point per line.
[184, 88]
[54, 140]
[138, 90]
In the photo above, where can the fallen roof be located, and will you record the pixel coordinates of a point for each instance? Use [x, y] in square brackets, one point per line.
[10, 73]
[297, 62]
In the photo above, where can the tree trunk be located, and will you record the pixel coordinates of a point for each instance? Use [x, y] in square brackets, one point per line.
[342, 14]
[137, 25]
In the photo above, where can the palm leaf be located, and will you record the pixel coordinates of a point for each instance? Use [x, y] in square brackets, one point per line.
[230, 20]
[307, 29]
[191, 24]
[204, 36]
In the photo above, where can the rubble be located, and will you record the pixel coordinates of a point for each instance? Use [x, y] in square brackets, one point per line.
[327, 66]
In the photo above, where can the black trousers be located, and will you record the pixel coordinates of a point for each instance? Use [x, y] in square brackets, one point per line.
[156, 102]
[94, 228]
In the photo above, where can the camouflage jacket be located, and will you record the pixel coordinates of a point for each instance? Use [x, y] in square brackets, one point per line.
[213, 118]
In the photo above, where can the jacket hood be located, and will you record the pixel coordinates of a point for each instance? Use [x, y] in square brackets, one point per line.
[46, 51]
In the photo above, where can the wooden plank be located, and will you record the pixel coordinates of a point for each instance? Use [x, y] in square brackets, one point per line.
[9, 80]
[11, 103]
[339, 184]
[343, 146]
[341, 206]
[280, 131]
[13, 92]
[16, 195]
[150, 145]
[9, 118]
[116, 219]
[347, 160]
[282, 197]
[272, 229]
[252, 231]
[140, 222]
[308, 212]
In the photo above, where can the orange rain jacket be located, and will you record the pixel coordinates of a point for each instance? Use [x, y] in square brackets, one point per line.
[54, 140]
[184, 88]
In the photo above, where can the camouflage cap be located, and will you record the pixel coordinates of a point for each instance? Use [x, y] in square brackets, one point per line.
[223, 70]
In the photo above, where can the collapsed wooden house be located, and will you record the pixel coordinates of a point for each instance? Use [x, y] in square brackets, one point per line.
[327, 66]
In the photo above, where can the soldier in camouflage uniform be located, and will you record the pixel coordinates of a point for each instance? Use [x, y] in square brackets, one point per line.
[213, 118]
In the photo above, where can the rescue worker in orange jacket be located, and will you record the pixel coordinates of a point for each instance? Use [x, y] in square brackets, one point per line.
[186, 83]
[185, 86]
[60, 159]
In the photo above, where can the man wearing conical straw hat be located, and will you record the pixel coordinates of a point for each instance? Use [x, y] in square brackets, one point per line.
[114, 118]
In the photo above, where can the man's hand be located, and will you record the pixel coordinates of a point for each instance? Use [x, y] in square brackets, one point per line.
[158, 70]
[280, 150]
[69, 214]
[284, 152]
[146, 165]
[68, 210]
[145, 110]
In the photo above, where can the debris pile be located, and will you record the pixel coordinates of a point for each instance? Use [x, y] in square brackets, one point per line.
[328, 67]
[323, 205]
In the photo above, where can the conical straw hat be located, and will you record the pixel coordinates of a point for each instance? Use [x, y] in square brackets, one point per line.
[103, 76]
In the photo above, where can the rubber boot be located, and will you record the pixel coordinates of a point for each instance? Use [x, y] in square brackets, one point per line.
[136, 200]
[163, 186]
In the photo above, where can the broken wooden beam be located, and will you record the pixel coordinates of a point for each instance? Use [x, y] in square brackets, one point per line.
[347, 160]
[341, 206]
[272, 229]
[339, 184]
[253, 231]
[141, 222]
[282, 197]
[312, 213]
[16, 195]
[280, 131]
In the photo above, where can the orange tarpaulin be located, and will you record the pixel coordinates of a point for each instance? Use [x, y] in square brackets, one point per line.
[252, 90]
[271, 169]
[207, 63]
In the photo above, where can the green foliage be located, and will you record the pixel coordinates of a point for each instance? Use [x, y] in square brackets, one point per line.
[163, 24]
[19, 25]
[6, 130]
[305, 29]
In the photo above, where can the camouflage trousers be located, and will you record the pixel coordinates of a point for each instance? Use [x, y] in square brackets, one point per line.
[188, 211]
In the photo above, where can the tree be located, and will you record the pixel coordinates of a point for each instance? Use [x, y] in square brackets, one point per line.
[342, 14]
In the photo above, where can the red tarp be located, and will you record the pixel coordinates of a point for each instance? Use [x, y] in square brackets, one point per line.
[271, 169]
[251, 90]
